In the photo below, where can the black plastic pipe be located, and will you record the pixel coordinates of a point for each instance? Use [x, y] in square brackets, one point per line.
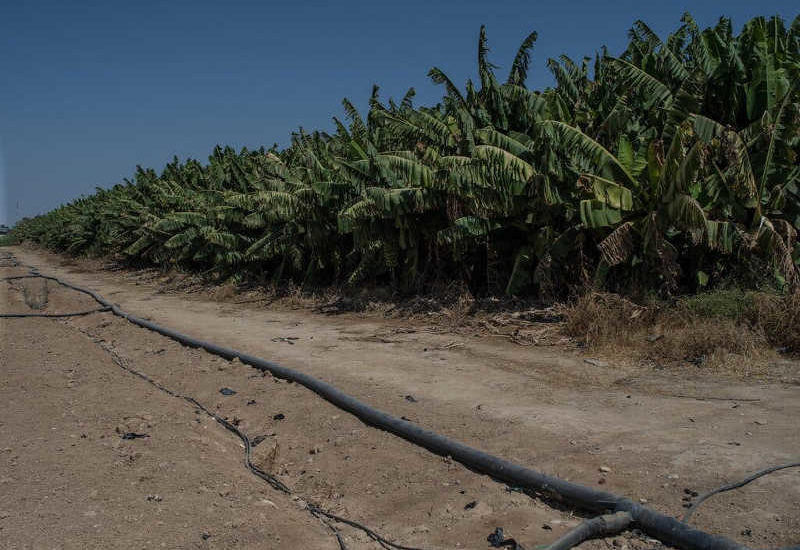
[666, 529]
[54, 315]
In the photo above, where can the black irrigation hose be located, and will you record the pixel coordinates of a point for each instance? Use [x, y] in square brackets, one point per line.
[601, 526]
[55, 315]
[655, 524]
[370, 533]
[334, 530]
[277, 484]
[735, 485]
[248, 447]
[46, 315]
[32, 275]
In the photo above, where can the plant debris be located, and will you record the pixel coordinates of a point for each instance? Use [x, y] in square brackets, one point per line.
[134, 435]
[287, 339]
[497, 540]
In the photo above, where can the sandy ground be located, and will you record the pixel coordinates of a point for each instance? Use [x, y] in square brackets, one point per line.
[68, 479]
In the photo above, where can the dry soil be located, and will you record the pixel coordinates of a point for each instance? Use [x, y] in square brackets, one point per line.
[69, 480]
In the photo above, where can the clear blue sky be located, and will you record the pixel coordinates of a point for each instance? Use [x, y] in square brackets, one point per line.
[92, 88]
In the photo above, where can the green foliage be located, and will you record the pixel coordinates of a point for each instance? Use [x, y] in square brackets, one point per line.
[672, 167]
[7, 240]
[729, 304]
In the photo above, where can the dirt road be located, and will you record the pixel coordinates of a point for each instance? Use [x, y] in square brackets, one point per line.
[68, 479]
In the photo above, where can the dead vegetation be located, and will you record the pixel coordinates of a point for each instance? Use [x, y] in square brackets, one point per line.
[706, 329]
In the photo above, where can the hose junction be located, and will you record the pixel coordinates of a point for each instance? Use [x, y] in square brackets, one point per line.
[614, 514]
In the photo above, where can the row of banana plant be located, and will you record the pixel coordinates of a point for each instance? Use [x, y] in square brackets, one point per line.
[672, 167]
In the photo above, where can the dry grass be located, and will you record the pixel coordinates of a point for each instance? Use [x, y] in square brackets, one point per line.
[710, 329]
[223, 293]
[704, 341]
[601, 319]
[779, 318]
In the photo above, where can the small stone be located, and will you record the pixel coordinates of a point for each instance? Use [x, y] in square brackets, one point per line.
[601, 481]
[642, 501]
[496, 538]
[279, 416]
[673, 476]
[596, 362]
[605, 469]
[547, 527]
[760, 422]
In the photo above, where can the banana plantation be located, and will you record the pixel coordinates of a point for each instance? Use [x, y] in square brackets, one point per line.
[669, 168]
